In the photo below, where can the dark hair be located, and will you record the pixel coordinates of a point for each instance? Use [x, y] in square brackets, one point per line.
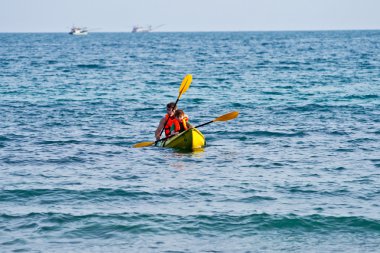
[172, 105]
[179, 113]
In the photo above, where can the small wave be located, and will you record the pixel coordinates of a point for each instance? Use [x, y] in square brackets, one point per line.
[15, 242]
[51, 142]
[338, 133]
[32, 160]
[296, 63]
[10, 137]
[272, 93]
[65, 160]
[254, 199]
[344, 150]
[89, 225]
[336, 169]
[4, 138]
[362, 97]
[100, 194]
[289, 68]
[322, 108]
[221, 79]
[301, 190]
[91, 66]
[307, 108]
[52, 62]
[14, 195]
[275, 134]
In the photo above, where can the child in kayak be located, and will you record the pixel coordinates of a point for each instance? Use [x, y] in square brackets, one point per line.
[181, 122]
[167, 121]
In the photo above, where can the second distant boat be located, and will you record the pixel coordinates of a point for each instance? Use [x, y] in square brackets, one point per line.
[141, 29]
[144, 29]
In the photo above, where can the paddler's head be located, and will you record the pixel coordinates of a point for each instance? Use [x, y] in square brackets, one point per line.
[170, 109]
[179, 114]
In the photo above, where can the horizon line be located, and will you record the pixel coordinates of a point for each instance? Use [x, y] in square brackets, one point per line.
[174, 31]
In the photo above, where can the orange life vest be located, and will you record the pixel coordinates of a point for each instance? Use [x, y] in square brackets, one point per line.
[180, 126]
[169, 123]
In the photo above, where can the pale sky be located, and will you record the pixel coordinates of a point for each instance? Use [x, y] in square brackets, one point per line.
[191, 15]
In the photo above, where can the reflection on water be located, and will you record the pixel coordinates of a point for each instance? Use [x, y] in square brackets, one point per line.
[181, 158]
[194, 153]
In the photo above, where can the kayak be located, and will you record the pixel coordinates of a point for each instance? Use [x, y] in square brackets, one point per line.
[190, 139]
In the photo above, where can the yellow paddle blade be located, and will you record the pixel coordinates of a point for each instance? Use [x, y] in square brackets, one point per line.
[227, 116]
[185, 84]
[143, 144]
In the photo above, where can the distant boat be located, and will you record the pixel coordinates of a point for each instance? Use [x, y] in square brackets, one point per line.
[78, 31]
[141, 29]
[144, 29]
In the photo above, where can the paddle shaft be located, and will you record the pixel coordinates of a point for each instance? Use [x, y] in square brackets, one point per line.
[162, 139]
[204, 124]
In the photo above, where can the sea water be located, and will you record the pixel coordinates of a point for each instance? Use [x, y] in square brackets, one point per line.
[297, 171]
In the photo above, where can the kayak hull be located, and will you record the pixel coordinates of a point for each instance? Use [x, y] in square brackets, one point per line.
[191, 139]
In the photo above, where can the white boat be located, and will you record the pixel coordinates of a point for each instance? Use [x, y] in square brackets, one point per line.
[78, 31]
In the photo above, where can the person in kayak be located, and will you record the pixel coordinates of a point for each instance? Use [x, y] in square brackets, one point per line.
[181, 122]
[167, 121]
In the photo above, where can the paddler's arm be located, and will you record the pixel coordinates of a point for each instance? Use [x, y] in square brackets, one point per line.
[159, 128]
[189, 125]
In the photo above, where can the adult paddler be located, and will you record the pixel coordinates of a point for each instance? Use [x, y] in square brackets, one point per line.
[167, 121]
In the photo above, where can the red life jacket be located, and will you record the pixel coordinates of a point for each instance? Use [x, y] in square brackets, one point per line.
[180, 126]
[169, 123]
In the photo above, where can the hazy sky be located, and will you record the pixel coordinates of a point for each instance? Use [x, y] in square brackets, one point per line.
[191, 15]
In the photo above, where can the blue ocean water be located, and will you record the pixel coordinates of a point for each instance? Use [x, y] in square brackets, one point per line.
[297, 171]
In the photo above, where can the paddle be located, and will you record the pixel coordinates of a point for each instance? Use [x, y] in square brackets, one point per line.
[225, 117]
[182, 89]
[148, 143]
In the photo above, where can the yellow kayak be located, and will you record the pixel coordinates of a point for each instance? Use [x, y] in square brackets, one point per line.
[190, 139]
